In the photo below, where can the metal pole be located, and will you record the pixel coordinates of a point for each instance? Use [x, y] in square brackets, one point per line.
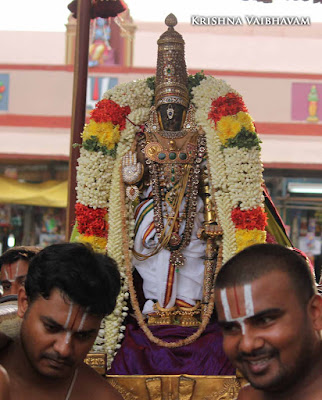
[79, 103]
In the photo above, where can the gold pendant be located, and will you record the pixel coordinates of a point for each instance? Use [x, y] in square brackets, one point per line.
[132, 192]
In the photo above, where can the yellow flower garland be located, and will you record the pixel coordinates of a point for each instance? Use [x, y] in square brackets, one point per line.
[245, 238]
[230, 125]
[98, 243]
[107, 134]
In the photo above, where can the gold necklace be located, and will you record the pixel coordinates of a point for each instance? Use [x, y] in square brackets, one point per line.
[156, 151]
[173, 134]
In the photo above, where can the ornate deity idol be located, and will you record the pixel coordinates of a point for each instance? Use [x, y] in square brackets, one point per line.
[167, 252]
[169, 184]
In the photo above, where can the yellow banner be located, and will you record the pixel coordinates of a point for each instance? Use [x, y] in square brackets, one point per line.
[46, 194]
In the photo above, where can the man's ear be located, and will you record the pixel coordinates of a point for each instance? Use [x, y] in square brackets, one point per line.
[22, 302]
[315, 311]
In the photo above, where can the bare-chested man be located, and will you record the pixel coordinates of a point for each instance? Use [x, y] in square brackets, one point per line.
[68, 290]
[271, 317]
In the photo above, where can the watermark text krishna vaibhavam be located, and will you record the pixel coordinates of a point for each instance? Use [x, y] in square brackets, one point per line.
[250, 20]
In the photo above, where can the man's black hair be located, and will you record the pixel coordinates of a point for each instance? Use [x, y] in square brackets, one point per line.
[258, 260]
[89, 279]
[14, 254]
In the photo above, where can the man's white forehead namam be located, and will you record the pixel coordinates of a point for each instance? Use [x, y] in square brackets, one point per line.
[249, 306]
[81, 324]
[12, 278]
[69, 332]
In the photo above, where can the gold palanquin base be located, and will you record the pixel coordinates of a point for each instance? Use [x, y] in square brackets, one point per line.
[175, 387]
[169, 387]
[97, 361]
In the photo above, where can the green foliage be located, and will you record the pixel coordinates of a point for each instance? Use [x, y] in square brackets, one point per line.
[150, 81]
[93, 144]
[194, 80]
[244, 139]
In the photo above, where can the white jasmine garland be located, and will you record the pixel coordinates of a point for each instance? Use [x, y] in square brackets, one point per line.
[94, 173]
[135, 94]
[244, 177]
[204, 94]
[209, 89]
[224, 208]
[115, 250]
[216, 159]
[138, 116]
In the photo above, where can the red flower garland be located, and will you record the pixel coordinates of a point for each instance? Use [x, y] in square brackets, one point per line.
[91, 222]
[249, 219]
[108, 110]
[230, 104]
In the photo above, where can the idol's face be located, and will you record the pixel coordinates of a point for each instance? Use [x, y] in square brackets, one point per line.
[13, 276]
[56, 334]
[268, 335]
[171, 116]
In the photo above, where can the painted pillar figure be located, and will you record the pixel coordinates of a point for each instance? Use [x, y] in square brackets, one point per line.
[313, 99]
[100, 50]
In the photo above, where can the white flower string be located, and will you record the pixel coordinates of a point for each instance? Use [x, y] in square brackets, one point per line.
[94, 173]
[135, 94]
[113, 323]
[204, 94]
[244, 175]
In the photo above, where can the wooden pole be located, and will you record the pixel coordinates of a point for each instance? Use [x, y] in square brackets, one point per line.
[79, 103]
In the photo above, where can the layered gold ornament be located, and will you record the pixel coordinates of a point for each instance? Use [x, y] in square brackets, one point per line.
[171, 75]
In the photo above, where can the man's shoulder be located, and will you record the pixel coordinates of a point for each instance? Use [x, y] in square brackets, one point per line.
[91, 382]
[248, 393]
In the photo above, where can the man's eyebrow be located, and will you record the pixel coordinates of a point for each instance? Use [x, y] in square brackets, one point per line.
[21, 277]
[224, 323]
[51, 321]
[260, 314]
[86, 332]
[268, 311]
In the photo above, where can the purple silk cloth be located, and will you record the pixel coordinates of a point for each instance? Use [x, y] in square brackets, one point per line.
[139, 356]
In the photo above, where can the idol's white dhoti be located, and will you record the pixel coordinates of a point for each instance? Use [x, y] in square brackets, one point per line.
[187, 281]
